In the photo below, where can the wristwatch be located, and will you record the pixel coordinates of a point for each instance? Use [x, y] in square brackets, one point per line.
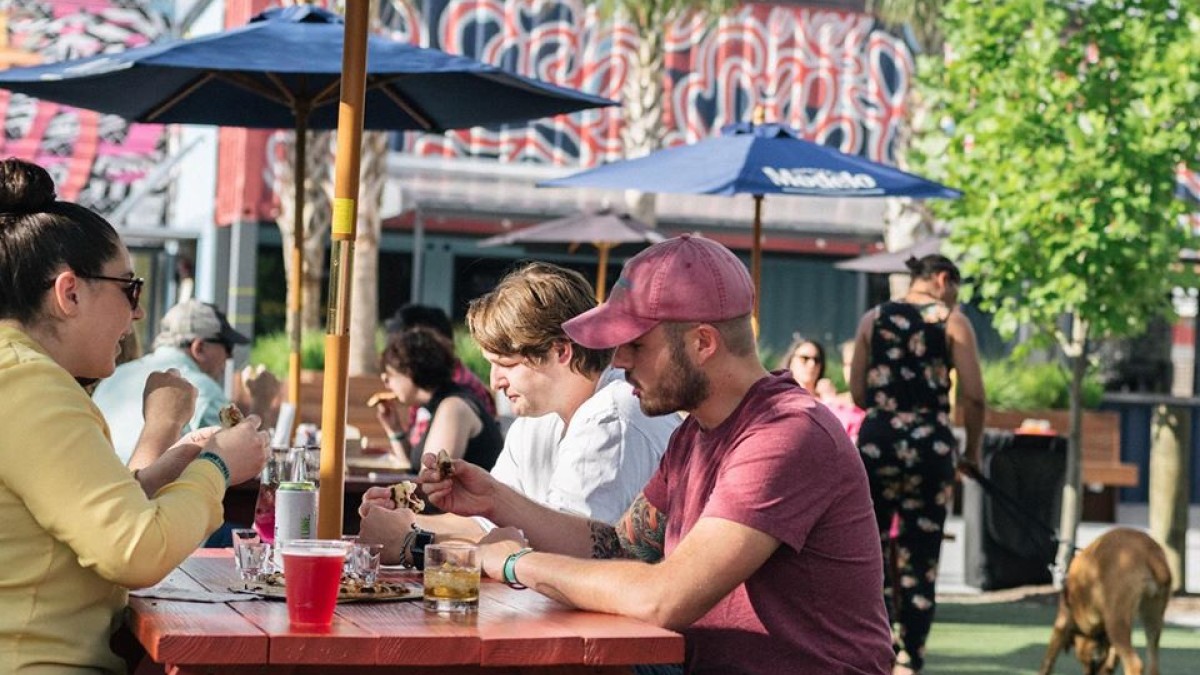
[416, 552]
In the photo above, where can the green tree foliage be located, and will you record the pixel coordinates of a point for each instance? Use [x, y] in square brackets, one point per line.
[1063, 123]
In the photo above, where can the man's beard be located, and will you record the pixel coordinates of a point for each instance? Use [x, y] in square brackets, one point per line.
[682, 387]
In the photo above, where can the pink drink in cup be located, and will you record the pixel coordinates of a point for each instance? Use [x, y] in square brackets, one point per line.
[312, 573]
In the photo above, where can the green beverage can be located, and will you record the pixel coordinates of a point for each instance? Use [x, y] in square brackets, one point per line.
[295, 511]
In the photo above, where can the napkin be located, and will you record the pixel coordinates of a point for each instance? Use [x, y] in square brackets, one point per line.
[170, 592]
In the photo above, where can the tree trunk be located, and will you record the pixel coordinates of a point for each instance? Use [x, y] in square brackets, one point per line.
[643, 107]
[364, 298]
[1072, 495]
[315, 217]
[1170, 439]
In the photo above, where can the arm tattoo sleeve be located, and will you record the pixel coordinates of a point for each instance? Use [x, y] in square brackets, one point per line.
[639, 535]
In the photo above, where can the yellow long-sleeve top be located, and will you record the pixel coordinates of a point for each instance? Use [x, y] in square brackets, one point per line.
[76, 530]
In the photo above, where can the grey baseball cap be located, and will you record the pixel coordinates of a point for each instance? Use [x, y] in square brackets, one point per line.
[193, 319]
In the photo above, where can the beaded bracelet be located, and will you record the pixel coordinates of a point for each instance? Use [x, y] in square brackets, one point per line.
[508, 573]
[218, 462]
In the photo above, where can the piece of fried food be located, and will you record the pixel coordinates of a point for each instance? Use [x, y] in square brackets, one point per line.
[379, 397]
[445, 464]
[404, 493]
[230, 416]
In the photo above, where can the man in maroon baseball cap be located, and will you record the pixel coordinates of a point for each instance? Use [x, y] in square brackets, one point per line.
[756, 537]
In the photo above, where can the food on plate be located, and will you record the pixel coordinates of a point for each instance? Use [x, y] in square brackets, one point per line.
[404, 493]
[230, 416]
[445, 464]
[379, 397]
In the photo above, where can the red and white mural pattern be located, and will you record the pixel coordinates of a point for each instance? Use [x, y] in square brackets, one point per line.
[95, 159]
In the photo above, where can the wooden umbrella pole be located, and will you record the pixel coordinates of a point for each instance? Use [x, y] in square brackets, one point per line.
[602, 270]
[345, 210]
[295, 288]
[756, 258]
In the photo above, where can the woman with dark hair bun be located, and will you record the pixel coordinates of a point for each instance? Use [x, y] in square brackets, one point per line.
[900, 374]
[79, 528]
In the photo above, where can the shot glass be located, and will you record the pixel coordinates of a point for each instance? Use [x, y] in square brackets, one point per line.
[363, 562]
[312, 571]
[451, 578]
[251, 554]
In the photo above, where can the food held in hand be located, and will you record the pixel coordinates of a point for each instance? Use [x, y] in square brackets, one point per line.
[230, 416]
[405, 494]
[445, 464]
[379, 397]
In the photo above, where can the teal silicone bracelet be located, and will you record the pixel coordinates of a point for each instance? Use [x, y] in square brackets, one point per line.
[509, 571]
[220, 463]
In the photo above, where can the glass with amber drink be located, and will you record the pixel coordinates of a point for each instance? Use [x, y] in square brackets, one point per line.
[451, 578]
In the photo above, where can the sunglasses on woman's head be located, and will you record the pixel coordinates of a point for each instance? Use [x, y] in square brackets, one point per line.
[132, 289]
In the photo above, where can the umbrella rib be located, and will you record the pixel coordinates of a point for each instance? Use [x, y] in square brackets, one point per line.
[404, 104]
[179, 96]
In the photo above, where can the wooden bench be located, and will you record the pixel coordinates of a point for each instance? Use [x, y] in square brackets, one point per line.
[359, 389]
[1103, 470]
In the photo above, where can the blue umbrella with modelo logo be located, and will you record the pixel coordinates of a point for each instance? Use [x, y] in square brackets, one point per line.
[757, 159]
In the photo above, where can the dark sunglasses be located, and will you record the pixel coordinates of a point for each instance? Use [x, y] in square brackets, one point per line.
[133, 286]
[805, 358]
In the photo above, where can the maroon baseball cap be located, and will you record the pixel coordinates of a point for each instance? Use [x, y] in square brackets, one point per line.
[688, 278]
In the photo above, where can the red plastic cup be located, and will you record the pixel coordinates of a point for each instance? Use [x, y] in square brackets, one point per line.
[312, 573]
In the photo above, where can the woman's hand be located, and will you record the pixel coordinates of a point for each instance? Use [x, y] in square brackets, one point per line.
[243, 448]
[393, 416]
[168, 399]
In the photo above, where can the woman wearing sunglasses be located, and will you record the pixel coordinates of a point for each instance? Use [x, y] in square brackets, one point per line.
[79, 528]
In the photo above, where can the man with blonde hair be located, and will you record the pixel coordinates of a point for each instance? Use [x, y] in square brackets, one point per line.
[580, 443]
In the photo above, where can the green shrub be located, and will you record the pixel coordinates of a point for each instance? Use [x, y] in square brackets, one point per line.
[272, 351]
[469, 353]
[1026, 386]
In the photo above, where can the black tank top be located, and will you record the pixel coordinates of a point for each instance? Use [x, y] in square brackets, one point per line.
[909, 370]
[482, 448]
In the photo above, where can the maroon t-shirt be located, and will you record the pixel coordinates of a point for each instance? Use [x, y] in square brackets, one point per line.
[782, 464]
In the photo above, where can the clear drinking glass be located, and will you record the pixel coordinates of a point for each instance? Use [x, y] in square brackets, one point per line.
[451, 577]
[363, 562]
[251, 554]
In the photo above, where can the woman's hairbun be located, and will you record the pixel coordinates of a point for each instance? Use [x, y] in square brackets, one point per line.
[913, 264]
[24, 187]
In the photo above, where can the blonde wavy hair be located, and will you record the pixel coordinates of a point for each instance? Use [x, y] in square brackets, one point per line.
[524, 314]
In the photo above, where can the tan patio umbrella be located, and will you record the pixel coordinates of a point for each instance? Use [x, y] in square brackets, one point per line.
[603, 229]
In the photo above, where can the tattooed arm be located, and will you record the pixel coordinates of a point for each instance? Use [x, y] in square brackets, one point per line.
[639, 535]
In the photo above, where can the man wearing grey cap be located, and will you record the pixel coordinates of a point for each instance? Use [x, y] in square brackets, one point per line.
[195, 339]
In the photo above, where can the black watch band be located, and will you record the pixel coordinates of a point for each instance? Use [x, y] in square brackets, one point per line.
[422, 539]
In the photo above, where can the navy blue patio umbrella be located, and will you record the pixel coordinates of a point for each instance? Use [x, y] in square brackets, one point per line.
[283, 70]
[757, 159]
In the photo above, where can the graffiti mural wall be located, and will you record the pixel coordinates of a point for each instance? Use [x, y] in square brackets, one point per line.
[95, 159]
[835, 75]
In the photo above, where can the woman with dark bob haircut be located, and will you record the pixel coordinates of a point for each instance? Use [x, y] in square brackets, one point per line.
[79, 528]
[417, 366]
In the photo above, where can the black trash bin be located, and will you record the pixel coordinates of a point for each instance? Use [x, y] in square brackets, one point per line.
[1030, 469]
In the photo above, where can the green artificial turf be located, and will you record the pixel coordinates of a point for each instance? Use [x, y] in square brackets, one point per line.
[1011, 637]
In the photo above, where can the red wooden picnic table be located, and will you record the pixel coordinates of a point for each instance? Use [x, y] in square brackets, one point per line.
[515, 631]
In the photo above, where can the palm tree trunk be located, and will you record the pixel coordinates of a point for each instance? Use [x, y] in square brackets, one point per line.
[643, 93]
[364, 299]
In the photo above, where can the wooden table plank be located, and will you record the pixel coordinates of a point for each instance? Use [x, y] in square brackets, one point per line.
[608, 639]
[516, 636]
[172, 631]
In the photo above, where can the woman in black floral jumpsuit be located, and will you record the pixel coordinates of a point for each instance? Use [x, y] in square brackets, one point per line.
[900, 374]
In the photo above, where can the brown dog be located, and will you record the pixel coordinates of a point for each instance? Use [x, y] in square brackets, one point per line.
[1122, 574]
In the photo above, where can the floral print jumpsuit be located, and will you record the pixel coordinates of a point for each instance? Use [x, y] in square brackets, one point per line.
[908, 447]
